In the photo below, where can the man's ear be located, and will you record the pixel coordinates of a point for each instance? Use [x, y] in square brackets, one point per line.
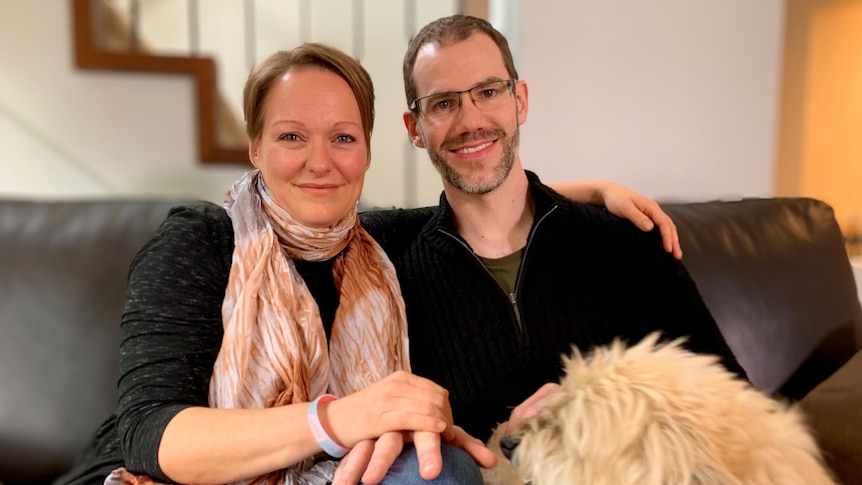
[521, 101]
[410, 122]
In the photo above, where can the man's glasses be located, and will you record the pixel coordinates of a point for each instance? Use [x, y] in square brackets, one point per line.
[486, 97]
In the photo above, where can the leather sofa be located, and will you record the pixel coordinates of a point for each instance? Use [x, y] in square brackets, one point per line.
[774, 272]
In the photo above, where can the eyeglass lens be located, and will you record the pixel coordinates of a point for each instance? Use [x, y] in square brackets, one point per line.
[486, 97]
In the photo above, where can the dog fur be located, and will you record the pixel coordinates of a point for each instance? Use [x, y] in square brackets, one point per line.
[657, 414]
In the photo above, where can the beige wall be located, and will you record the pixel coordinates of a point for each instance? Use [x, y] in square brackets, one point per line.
[820, 142]
[676, 98]
[832, 146]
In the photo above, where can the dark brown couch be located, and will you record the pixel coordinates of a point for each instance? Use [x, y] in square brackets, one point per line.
[773, 271]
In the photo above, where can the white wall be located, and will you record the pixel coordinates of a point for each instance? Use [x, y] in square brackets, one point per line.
[676, 98]
[128, 134]
[66, 132]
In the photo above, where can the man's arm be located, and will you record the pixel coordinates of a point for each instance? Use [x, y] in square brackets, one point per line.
[621, 201]
[392, 228]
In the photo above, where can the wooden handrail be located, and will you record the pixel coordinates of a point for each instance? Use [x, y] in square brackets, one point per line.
[89, 55]
[203, 71]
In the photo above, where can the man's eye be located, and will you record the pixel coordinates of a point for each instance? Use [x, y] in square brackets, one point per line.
[490, 92]
[442, 104]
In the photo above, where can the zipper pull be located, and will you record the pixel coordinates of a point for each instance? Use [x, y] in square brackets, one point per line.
[514, 303]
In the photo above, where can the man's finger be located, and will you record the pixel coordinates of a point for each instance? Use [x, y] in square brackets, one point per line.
[484, 457]
[353, 464]
[386, 450]
[429, 455]
[528, 408]
[542, 393]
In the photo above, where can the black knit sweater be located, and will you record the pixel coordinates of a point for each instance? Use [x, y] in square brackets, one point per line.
[586, 277]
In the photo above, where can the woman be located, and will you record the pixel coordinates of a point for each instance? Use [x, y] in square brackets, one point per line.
[239, 320]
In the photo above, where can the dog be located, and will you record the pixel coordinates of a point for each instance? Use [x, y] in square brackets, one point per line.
[657, 414]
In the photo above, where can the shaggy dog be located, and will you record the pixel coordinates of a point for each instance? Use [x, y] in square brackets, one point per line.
[656, 414]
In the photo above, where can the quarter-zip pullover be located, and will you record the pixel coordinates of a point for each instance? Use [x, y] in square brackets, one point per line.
[586, 277]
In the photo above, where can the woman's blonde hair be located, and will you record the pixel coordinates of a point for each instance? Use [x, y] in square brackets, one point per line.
[264, 76]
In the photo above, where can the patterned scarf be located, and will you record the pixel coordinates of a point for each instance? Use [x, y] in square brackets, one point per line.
[274, 350]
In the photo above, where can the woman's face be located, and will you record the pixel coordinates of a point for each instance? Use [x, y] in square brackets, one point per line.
[312, 152]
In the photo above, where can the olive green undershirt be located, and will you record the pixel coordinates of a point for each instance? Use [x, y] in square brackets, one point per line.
[505, 269]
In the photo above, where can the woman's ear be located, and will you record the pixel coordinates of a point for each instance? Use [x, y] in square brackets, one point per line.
[410, 122]
[252, 153]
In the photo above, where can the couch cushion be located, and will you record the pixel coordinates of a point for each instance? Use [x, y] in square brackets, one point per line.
[776, 276]
[62, 288]
[834, 410]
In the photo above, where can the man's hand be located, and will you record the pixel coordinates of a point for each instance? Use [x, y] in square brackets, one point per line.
[528, 408]
[642, 212]
[370, 460]
[621, 201]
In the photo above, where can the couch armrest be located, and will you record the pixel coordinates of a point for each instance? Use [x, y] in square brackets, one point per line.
[834, 410]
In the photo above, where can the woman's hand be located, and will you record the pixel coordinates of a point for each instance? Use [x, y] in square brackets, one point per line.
[399, 402]
[624, 202]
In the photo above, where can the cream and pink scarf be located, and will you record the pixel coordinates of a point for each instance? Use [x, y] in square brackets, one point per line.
[274, 351]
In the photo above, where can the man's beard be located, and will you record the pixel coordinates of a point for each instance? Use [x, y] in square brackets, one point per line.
[464, 183]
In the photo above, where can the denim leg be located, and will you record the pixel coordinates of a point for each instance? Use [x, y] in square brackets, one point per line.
[458, 469]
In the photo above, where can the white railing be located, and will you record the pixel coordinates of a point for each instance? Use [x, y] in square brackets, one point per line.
[237, 34]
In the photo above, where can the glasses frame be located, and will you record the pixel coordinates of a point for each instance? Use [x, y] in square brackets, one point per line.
[510, 87]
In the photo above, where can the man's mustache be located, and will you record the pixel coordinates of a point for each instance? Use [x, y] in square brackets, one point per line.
[478, 135]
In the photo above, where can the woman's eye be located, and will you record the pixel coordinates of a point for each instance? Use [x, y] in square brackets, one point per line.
[289, 137]
[345, 139]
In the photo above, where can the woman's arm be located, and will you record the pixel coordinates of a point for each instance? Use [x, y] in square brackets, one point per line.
[171, 336]
[624, 202]
[172, 332]
[205, 445]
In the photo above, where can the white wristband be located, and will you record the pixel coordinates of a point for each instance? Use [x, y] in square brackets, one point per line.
[326, 442]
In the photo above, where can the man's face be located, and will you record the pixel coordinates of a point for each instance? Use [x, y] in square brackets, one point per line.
[473, 149]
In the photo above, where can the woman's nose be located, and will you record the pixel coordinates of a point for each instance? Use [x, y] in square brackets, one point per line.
[318, 158]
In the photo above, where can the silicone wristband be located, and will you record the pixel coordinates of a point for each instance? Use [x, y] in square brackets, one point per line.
[326, 442]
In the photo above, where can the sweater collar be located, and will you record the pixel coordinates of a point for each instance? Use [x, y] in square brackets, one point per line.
[545, 199]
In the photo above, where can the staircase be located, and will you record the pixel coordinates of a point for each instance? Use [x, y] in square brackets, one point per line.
[108, 36]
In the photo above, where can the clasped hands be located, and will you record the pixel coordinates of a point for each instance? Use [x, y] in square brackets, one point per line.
[377, 421]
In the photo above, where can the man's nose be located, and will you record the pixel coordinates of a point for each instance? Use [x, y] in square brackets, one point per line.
[468, 117]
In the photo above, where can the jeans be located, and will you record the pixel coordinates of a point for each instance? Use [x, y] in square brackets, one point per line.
[458, 469]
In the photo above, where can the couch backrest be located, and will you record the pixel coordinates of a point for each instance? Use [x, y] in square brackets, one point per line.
[773, 272]
[776, 276]
[63, 268]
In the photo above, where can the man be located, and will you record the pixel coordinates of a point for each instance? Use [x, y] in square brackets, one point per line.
[507, 275]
